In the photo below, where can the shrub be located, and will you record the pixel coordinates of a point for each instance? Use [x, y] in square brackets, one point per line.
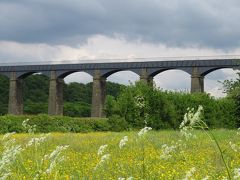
[165, 109]
[117, 123]
[45, 123]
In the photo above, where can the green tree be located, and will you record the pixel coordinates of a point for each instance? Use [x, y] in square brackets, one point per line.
[232, 89]
[165, 109]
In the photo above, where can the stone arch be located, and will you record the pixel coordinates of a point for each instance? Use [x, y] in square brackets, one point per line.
[35, 92]
[64, 74]
[117, 76]
[106, 74]
[214, 78]
[164, 79]
[23, 75]
[17, 89]
[206, 71]
[154, 72]
[67, 83]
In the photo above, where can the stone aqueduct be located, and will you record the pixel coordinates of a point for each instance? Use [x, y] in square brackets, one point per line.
[100, 71]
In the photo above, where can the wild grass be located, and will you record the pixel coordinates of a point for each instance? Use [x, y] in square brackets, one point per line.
[145, 154]
[77, 156]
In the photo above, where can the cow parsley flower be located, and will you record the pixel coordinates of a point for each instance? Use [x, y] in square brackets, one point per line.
[104, 158]
[205, 178]
[189, 174]
[9, 155]
[189, 121]
[27, 127]
[55, 158]
[233, 146]
[37, 141]
[191, 118]
[140, 102]
[7, 136]
[129, 178]
[123, 142]
[236, 173]
[167, 151]
[144, 131]
[102, 149]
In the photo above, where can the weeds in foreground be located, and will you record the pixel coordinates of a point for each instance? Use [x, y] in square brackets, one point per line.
[46, 159]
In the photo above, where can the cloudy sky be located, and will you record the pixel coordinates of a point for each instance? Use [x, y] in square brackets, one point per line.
[62, 30]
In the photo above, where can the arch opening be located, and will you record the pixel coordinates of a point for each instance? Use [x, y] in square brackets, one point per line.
[213, 81]
[77, 94]
[35, 93]
[173, 80]
[123, 77]
[118, 79]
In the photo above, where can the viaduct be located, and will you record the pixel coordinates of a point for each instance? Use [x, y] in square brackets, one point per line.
[100, 71]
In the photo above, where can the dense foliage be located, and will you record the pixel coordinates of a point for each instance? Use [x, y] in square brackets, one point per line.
[140, 102]
[232, 88]
[77, 96]
[45, 123]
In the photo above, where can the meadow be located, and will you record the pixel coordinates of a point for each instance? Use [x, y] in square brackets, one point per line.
[152, 155]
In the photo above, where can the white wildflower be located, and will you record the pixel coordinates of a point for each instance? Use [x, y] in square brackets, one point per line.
[37, 141]
[167, 151]
[104, 158]
[9, 156]
[190, 173]
[27, 127]
[123, 142]
[5, 175]
[139, 102]
[9, 143]
[129, 178]
[144, 131]
[55, 158]
[191, 118]
[236, 173]
[146, 116]
[186, 132]
[7, 136]
[25, 123]
[205, 178]
[102, 149]
[189, 121]
[196, 116]
[57, 151]
[234, 147]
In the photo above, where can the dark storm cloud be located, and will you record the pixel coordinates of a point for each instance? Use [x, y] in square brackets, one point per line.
[209, 23]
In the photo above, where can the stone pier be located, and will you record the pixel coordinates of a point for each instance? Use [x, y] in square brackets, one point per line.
[144, 77]
[98, 95]
[197, 81]
[15, 104]
[55, 100]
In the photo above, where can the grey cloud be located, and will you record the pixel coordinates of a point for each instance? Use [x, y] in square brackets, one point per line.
[208, 23]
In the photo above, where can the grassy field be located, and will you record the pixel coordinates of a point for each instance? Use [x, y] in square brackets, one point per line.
[155, 155]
